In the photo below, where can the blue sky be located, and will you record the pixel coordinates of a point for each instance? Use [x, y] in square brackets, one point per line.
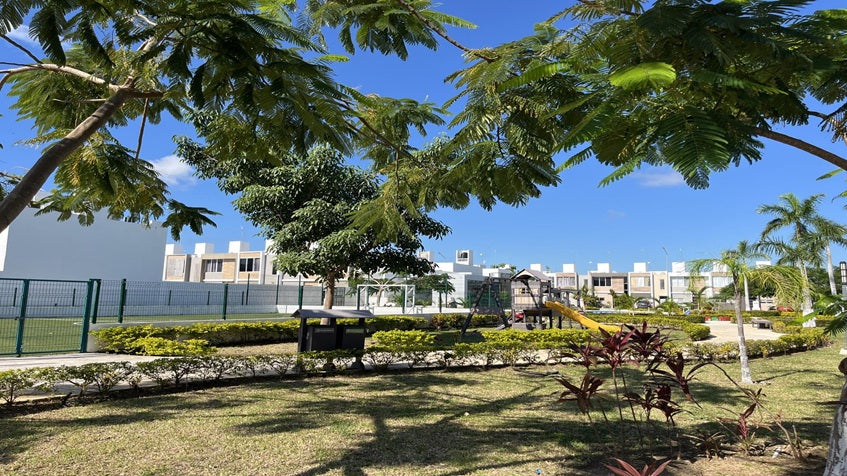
[635, 219]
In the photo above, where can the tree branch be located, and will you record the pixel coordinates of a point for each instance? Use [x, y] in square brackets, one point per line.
[443, 34]
[59, 69]
[826, 155]
[828, 118]
[22, 48]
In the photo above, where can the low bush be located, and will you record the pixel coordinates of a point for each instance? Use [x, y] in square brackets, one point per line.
[166, 347]
[454, 321]
[17, 382]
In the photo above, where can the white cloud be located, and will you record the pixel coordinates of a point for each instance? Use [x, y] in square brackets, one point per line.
[670, 178]
[614, 214]
[21, 35]
[174, 172]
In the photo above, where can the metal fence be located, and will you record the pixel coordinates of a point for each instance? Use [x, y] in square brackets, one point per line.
[44, 315]
[38, 315]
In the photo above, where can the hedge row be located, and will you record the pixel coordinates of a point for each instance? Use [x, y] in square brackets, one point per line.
[199, 338]
[803, 339]
[692, 325]
[412, 347]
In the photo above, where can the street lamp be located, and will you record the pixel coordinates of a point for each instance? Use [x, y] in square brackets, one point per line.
[843, 270]
[668, 274]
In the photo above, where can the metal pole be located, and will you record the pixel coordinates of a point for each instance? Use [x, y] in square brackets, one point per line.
[403, 308]
[247, 294]
[96, 302]
[86, 316]
[122, 301]
[278, 279]
[19, 338]
[226, 296]
[358, 298]
[299, 292]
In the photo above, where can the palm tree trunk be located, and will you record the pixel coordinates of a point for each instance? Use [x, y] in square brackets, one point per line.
[829, 270]
[23, 193]
[807, 295]
[742, 343]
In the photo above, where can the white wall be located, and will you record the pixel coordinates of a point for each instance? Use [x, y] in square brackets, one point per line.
[41, 247]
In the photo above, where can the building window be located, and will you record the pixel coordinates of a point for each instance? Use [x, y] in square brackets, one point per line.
[213, 265]
[662, 284]
[567, 281]
[248, 264]
[680, 282]
[601, 281]
[642, 281]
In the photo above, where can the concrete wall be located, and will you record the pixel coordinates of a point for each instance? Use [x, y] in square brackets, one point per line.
[41, 247]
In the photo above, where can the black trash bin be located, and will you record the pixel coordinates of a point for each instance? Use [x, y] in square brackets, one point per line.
[321, 337]
[351, 337]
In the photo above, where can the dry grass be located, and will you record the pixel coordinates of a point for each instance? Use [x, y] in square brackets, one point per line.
[500, 421]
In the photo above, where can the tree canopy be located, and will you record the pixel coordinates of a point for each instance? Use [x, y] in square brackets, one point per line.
[694, 84]
[305, 205]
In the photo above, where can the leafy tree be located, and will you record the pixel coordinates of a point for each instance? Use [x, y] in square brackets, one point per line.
[621, 301]
[305, 204]
[109, 63]
[589, 299]
[786, 281]
[434, 282]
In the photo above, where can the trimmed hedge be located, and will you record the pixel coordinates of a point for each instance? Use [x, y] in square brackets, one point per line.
[443, 321]
[692, 325]
[198, 338]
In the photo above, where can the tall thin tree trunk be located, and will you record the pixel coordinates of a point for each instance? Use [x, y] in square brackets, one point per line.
[742, 343]
[330, 293]
[807, 295]
[830, 272]
[23, 193]
[836, 462]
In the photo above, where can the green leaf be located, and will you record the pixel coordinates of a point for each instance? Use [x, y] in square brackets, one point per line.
[644, 76]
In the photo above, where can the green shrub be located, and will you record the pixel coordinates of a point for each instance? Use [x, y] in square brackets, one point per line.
[403, 339]
[101, 375]
[167, 347]
[15, 382]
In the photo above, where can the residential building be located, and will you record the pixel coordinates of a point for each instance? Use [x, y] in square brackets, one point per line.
[238, 265]
[603, 282]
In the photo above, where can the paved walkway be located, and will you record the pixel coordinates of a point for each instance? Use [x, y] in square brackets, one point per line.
[56, 360]
[723, 331]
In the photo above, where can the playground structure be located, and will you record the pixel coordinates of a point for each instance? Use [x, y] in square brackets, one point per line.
[575, 316]
[534, 301]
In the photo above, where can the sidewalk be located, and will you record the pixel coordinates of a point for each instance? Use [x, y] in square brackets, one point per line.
[722, 331]
[56, 360]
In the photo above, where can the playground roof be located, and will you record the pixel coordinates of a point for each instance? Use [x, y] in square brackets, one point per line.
[527, 274]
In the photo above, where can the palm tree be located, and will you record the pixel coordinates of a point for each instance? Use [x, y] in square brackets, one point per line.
[787, 282]
[812, 233]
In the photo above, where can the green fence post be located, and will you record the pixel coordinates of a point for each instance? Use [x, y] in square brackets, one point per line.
[96, 302]
[276, 301]
[122, 301]
[86, 315]
[439, 301]
[247, 293]
[358, 298]
[300, 296]
[226, 295]
[403, 308]
[19, 338]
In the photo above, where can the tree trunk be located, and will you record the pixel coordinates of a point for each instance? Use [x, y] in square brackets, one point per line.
[330, 294]
[829, 270]
[807, 296]
[23, 193]
[836, 461]
[742, 344]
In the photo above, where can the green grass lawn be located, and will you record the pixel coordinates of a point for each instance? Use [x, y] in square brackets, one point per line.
[501, 421]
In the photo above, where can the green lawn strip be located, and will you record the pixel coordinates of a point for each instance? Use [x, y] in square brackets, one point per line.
[502, 421]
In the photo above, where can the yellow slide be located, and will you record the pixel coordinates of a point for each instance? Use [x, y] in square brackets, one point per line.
[575, 316]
